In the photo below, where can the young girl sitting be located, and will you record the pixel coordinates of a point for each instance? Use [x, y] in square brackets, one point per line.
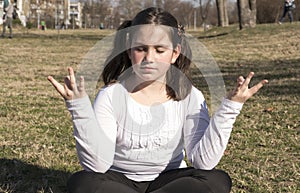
[149, 116]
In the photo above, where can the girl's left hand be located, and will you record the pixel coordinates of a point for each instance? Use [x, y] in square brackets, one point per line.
[242, 92]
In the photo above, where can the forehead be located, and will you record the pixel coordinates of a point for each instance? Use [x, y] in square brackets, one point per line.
[152, 35]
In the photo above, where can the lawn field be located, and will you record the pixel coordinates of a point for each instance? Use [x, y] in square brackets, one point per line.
[37, 148]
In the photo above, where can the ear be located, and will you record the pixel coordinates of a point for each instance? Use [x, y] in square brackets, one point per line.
[176, 53]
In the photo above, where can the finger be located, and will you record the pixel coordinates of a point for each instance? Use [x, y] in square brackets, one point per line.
[59, 87]
[73, 85]
[248, 79]
[258, 86]
[69, 93]
[240, 80]
[81, 84]
[68, 82]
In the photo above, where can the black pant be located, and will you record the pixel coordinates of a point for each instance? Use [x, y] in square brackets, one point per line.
[185, 180]
[290, 14]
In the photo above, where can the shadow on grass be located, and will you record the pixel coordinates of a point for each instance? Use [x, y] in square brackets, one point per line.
[61, 36]
[212, 36]
[283, 76]
[17, 176]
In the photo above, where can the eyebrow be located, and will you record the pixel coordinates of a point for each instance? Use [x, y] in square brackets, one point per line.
[135, 44]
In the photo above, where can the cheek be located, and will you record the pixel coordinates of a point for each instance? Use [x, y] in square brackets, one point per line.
[136, 57]
[166, 58]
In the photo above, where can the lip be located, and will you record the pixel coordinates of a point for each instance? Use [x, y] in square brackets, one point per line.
[147, 68]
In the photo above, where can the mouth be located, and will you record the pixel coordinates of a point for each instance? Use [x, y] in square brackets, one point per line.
[147, 68]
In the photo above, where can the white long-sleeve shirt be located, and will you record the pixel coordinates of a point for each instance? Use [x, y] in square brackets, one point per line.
[289, 3]
[9, 10]
[120, 134]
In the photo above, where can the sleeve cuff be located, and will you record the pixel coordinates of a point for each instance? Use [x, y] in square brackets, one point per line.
[232, 104]
[80, 102]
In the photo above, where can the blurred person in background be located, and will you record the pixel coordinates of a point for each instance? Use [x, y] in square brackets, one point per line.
[289, 5]
[7, 20]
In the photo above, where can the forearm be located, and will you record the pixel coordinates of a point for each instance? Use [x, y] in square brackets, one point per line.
[207, 153]
[94, 149]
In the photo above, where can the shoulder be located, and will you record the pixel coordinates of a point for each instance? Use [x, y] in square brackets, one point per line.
[111, 99]
[196, 94]
[111, 92]
[110, 87]
[194, 99]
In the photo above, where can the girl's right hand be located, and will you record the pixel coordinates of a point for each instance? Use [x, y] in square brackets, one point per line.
[69, 90]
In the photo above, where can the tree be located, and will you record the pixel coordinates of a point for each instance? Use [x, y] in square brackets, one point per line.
[222, 13]
[268, 11]
[96, 13]
[129, 8]
[247, 13]
[173, 5]
[232, 12]
[204, 9]
[159, 3]
[148, 3]
[182, 10]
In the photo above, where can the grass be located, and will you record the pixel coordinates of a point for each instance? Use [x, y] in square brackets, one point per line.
[37, 149]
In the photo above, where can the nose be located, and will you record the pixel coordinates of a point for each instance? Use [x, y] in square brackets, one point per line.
[149, 55]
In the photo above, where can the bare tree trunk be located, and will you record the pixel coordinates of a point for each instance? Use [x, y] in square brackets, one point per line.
[222, 13]
[247, 13]
[204, 9]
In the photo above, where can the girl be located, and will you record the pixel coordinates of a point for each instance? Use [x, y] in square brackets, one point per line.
[148, 115]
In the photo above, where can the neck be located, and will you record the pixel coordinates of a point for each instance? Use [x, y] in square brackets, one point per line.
[148, 92]
[135, 84]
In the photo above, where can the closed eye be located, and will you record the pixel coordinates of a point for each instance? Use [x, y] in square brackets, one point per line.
[160, 51]
[140, 49]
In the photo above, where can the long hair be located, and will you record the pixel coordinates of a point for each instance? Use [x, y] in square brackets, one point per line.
[178, 85]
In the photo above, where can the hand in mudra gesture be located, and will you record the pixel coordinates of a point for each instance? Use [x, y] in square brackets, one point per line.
[242, 92]
[69, 90]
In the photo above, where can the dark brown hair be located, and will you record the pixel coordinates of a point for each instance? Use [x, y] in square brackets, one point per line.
[178, 85]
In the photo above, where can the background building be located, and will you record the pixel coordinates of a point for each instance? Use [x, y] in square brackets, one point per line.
[75, 14]
[54, 13]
